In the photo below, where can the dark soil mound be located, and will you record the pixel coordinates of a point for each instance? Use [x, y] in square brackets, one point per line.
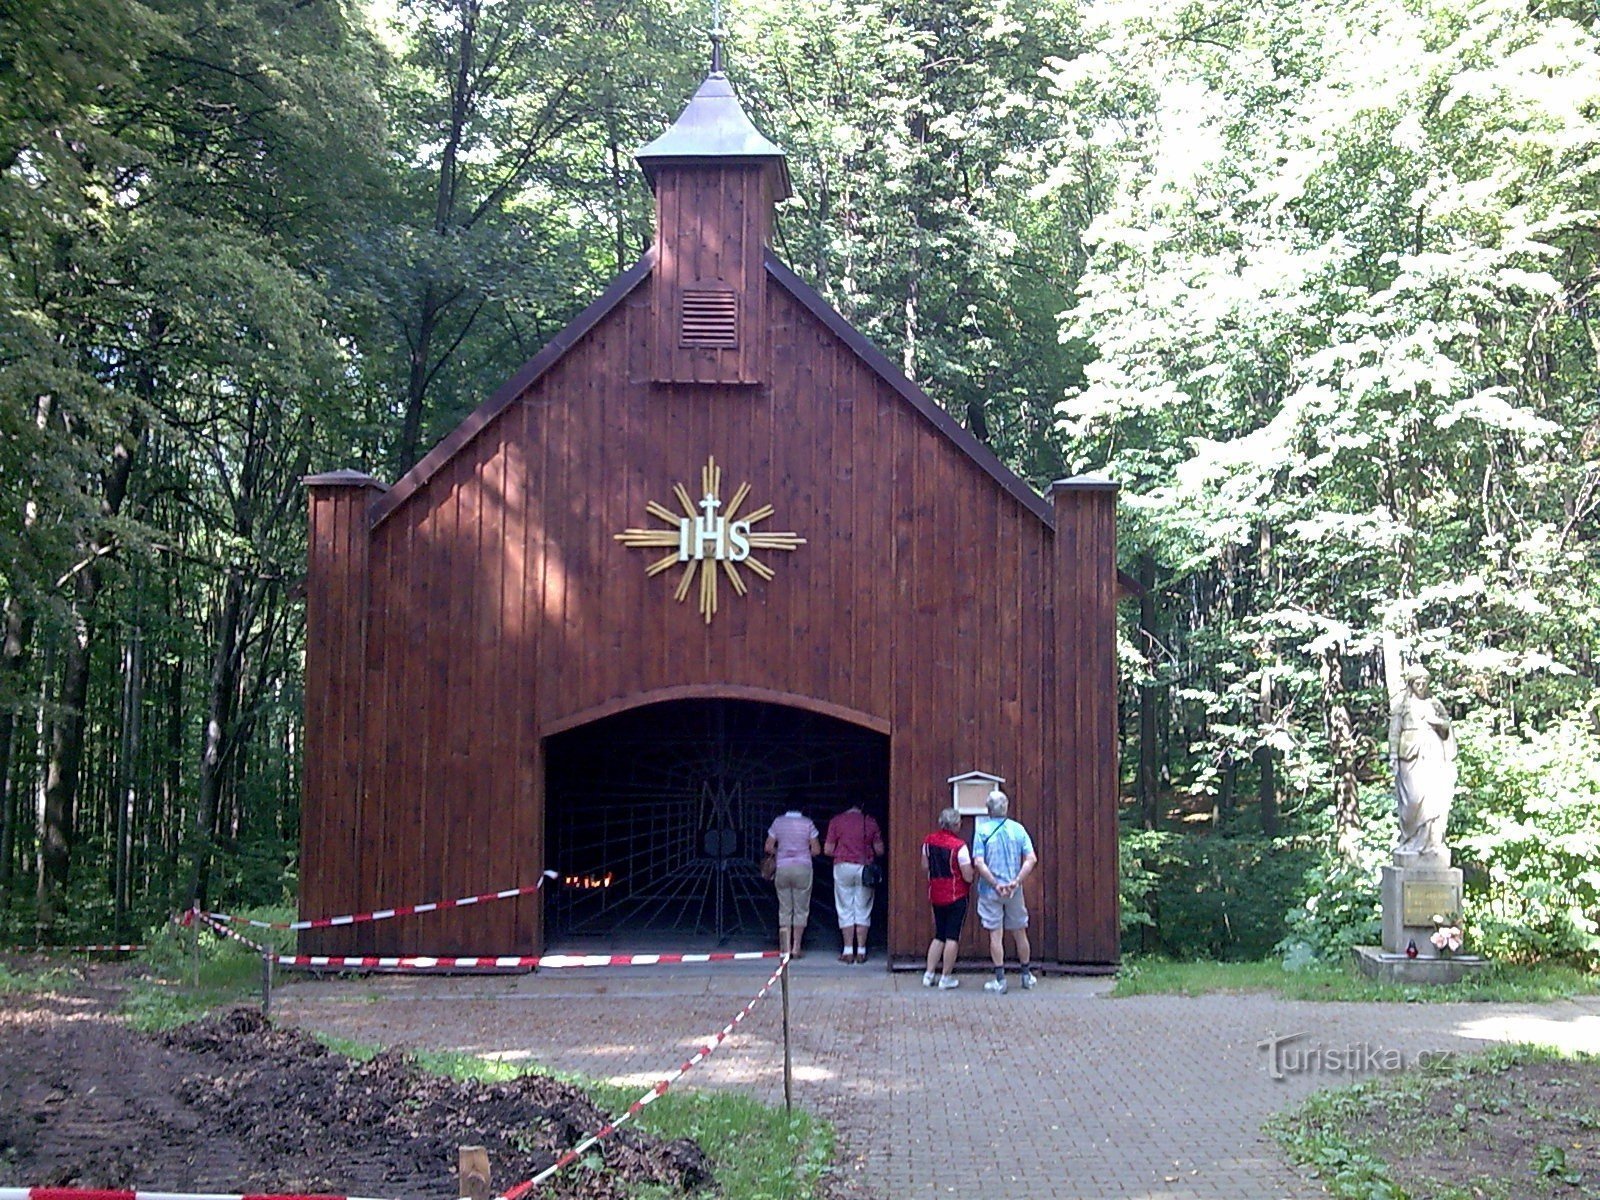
[232, 1104]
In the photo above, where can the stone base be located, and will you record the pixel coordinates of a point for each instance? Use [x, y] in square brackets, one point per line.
[1438, 889]
[1379, 964]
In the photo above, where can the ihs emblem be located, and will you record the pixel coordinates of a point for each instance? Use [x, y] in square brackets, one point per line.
[701, 538]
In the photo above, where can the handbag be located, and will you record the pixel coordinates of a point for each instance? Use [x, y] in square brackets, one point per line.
[769, 866]
[871, 872]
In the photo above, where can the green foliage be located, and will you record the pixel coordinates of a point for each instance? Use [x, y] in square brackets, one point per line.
[1217, 897]
[190, 972]
[1528, 824]
[1337, 901]
[1315, 282]
[1144, 855]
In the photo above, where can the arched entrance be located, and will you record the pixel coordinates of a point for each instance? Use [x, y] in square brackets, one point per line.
[655, 818]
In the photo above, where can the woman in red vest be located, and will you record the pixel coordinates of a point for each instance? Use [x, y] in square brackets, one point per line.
[948, 862]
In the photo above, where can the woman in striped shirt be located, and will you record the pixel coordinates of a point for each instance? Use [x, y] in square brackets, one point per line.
[793, 840]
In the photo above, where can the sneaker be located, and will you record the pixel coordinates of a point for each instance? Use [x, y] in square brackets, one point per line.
[1028, 981]
[928, 978]
[997, 986]
[946, 982]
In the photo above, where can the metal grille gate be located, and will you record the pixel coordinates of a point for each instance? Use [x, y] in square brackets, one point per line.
[655, 818]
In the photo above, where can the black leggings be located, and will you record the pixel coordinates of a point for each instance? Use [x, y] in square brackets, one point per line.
[948, 919]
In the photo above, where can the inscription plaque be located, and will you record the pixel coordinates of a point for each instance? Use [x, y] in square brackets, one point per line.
[1420, 902]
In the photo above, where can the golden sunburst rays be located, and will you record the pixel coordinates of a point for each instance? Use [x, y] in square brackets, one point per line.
[701, 539]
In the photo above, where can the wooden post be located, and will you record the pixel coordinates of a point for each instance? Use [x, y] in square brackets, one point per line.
[266, 984]
[472, 1173]
[194, 947]
[788, 1060]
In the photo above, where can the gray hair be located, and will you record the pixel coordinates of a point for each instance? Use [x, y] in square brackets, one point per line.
[950, 819]
[999, 806]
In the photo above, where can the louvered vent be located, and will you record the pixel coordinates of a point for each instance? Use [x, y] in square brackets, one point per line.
[709, 317]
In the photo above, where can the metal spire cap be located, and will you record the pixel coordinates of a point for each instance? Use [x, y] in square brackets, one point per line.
[713, 125]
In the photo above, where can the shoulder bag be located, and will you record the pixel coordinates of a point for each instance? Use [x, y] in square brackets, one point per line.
[871, 872]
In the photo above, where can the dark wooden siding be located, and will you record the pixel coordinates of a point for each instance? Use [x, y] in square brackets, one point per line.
[719, 216]
[332, 832]
[500, 609]
[1084, 875]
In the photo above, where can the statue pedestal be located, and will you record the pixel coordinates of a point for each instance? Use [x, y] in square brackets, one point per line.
[1379, 964]
[1418, 887]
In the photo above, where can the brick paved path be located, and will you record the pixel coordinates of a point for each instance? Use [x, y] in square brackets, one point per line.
[1060, 1092]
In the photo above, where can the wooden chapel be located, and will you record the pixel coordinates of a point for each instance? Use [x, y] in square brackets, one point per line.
[707, 556]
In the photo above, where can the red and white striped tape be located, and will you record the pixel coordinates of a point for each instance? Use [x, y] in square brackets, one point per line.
[656, 1092]
[109, 949]
[551, 962]
[384, 914]
[222, 931]
[64, 1193]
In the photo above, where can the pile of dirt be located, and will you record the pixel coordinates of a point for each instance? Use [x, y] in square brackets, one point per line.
[232, 1104]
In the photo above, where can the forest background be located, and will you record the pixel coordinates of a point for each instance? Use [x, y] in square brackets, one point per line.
[1316, 281]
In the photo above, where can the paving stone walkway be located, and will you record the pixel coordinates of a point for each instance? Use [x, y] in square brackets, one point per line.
[1060, 1092]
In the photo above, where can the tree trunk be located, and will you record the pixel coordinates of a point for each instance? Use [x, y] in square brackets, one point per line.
[1149, 770]
[1342, 749]
[1266, 709]
[175, 813]
[431, 305]
[16, 630]
[66, 747]
[12, 652]
[126, 791]
[221, 693]
[62, 771]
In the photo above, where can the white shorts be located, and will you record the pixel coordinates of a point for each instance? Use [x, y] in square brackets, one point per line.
[853, 901]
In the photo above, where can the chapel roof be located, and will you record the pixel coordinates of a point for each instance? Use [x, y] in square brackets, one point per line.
[714, 125]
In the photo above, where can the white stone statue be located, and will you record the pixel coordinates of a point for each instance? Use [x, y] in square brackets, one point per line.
[1422, 751]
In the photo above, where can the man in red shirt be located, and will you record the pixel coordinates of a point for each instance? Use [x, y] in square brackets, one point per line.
[948, 862]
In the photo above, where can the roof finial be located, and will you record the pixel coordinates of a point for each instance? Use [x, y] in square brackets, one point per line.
[718, 33]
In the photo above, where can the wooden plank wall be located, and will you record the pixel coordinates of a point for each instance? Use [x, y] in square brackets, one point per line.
[501, 607]
[336, 608]
[1084, 875]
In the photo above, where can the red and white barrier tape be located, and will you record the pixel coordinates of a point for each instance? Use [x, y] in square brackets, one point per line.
[222, 931]
[122, 949]
[552, 962]
[64, 1193]
[384, 914]
[656, 1092]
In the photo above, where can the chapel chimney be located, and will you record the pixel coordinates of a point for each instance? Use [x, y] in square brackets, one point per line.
[716, 180]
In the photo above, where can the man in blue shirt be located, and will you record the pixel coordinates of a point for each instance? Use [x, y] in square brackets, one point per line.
[1003, 856]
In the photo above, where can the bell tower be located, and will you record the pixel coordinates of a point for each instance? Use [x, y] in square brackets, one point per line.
[716, 179]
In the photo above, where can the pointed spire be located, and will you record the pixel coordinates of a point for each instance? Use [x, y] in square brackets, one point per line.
[713, 125]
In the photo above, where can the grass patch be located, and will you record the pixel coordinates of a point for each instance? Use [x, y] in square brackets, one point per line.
[1501, 982]
[48, 979]
[186, 977]
[1516, 1123]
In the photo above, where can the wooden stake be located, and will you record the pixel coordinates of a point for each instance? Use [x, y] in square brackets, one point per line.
[788, 1060]
[266, 985]
[472, 1173]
